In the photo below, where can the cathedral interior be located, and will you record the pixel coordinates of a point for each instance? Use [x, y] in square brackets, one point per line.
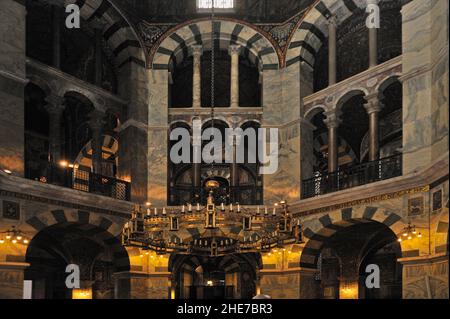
[87, 177]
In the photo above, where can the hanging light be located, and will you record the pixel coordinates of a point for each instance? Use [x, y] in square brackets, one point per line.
[14, 235]
[409, 232]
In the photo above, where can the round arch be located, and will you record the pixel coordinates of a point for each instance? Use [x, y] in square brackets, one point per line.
[176, 41]
[318, 231]
[312, 31]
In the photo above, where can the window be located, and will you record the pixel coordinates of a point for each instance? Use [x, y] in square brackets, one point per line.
[219, 5]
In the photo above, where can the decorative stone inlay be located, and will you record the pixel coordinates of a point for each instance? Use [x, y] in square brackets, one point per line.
[11, 210]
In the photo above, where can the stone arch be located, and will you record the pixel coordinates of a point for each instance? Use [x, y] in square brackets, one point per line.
[309, 114]
[384, 83]
[319, 230]
[43, 84]
[249, 121]
[177, 41]
[347, 95]
[117, 30]
[312, 30]
[103, 229]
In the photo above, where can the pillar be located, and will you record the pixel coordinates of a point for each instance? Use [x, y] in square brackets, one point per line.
[234, 51]
[96, 122]
[373, 40]
[332, 121]
[332, 26]
[55, 109]
[133, 131]
[425, 78]
[373, 108]
[196, 166]
[197, 51]
[12, 83]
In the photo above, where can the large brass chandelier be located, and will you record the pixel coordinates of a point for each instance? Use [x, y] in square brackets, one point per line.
[211, 230]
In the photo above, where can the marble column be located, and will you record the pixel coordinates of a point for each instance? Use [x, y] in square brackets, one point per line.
[12, 83]
[234, 176]
[196, 166]
[332, 26]
[197, 51]
[373, 108]
[373, 41]
[332, 121]
[234, 51]
[373, 47]
[158, 131]
[55, 108]
[96, 122]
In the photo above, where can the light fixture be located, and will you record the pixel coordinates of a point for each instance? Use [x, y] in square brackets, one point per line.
[63, 163]
[215, 228]
[14, 235]
[409, 232]
[7, 171]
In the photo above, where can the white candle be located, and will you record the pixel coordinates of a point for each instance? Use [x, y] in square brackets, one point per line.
[222, 206]
[156, 211]
[148, 211]
[190, 207]
[274, 211]
[198, 206]
[182, 209]
[231, 207]
[265, 210]
[164, 211]
[257, 210]
[239, 208]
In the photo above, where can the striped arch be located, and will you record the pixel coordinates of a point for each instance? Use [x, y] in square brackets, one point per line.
[346, 155]
[318, 231]
[99, 227]
[83, 161]
[257, 45]
[313, 29]
[118, 32]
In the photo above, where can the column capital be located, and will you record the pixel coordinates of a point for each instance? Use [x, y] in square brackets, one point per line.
[55, 104]
[373, 104]
[333, 118]
[332, 21]
[234, 49]
[197, 50]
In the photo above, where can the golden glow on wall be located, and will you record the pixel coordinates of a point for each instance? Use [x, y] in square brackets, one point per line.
[82, 293]
[348, 290]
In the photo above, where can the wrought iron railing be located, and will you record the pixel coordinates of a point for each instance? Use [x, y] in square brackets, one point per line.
[244, 195]
[353, 176]
[85, 181]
